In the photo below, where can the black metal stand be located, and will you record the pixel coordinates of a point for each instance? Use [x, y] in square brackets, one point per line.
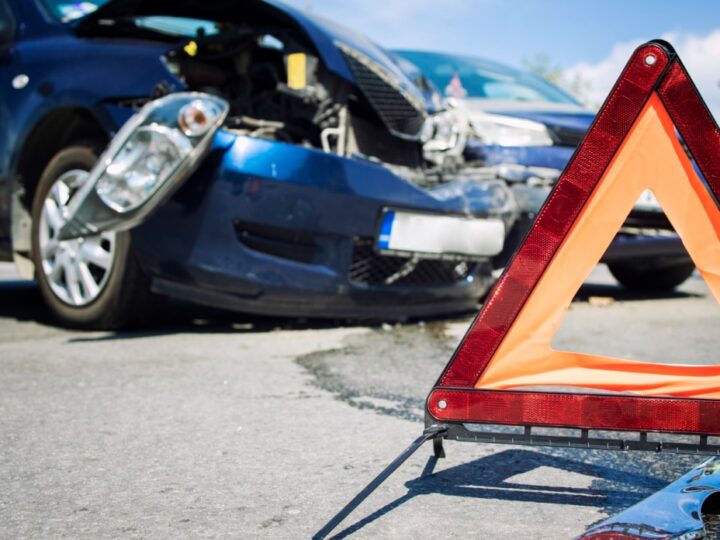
[584, 438]
[434, 432]
[563, 438]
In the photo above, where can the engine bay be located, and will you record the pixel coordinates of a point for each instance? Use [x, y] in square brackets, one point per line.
[279, 89]
[358, 102]
[275, 87]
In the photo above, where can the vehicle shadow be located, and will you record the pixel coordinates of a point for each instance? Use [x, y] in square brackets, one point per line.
[617, 293]
[601, 286]
[615, 489]
[22, 301]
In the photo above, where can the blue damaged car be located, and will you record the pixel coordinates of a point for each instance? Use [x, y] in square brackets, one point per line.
[244, 155]
[527, 129]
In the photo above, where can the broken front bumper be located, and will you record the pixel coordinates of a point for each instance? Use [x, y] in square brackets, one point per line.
[273, 228]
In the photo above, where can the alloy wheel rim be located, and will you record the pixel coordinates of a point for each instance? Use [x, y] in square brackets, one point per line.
[76, 270]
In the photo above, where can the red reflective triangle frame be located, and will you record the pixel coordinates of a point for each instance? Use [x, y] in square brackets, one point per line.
[455, 399]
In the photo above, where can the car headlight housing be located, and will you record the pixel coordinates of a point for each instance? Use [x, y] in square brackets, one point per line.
[149, 156]
[509, 131]
[148, 159]
[166, 139]
[445, 134]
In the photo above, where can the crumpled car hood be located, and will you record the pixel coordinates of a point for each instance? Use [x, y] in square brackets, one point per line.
[323, 34]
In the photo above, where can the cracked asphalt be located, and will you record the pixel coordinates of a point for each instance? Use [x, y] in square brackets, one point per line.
[217, 425]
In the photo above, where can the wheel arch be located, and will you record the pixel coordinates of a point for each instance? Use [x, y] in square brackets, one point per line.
[56, 130]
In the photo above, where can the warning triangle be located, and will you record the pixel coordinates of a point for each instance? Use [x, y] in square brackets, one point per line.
[633, 145]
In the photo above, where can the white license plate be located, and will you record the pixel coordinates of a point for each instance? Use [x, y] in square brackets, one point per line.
[648, 202]
[437, 234]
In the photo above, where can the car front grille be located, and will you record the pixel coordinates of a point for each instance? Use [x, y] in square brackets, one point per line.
[393, 105]
[368, 267]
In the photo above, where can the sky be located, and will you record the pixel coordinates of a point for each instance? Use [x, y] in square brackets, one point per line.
[589, 40]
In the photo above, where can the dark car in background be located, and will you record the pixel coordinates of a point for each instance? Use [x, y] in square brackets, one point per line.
[244, 155]
[527, 130]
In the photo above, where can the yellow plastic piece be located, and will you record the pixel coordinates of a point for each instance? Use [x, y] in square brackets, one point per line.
[650, 158]
[191, 48]
[297, 69]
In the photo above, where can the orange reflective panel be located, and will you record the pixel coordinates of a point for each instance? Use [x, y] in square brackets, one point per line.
[651, 157]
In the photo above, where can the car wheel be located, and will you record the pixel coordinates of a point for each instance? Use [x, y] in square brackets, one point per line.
[653, 275]
[88, 282]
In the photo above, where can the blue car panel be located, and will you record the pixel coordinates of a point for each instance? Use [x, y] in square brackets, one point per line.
[325, 200]
[553, 157]
[676, 512]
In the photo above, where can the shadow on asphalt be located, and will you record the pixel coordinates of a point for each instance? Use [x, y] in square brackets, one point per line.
[617, 293]
[22, 301]
[487, 478]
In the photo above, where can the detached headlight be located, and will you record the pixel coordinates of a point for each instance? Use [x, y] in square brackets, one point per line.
[508, 131]
[168, 137]
[149, 158]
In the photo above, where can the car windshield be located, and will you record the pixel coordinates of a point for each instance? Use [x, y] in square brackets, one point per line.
[468, 77]
[180, 26]
[66, 11]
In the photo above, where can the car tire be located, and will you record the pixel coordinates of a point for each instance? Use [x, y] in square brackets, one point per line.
[653, 275]
[65, 271]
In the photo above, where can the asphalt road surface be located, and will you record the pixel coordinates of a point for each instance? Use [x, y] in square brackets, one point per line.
[220, 425]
